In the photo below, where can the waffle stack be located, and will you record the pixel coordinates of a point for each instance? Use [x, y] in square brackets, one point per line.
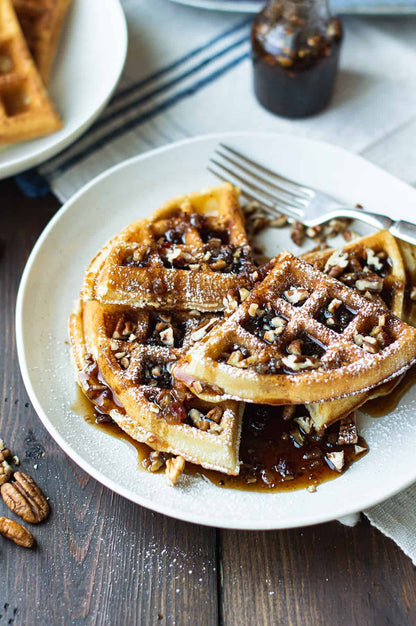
[26, 111]
[176, 329]
[148, 296]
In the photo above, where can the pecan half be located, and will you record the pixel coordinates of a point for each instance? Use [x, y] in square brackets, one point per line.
[17, 533]
[24, 498]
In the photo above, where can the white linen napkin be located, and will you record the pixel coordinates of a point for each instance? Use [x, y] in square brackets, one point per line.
[188, 73]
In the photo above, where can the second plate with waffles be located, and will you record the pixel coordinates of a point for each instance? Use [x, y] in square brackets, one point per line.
[80, 230]
[90, 58]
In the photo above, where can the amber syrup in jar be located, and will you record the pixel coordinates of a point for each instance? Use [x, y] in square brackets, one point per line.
[295, 52]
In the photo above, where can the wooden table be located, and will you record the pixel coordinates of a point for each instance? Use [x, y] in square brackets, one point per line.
[103, 560]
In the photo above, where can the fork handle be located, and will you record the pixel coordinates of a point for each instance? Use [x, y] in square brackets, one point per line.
[400, 229]
[404, 230]
[373, 219]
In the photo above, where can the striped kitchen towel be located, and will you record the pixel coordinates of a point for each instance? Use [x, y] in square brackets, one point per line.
[188, 72]
[195, 78]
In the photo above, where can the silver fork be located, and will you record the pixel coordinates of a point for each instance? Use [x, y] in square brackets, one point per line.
[278, 194]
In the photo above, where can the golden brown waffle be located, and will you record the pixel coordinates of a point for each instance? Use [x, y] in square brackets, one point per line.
[123, 357]
[278, 349]
[41, 23]
[189, 254]
[25, 109]
[376, 257]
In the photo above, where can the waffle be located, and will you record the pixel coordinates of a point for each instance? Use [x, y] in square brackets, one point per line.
[189, 254]
[41, 23]
[122, 359]
[377, 256]
[277, 349]
[25, 109]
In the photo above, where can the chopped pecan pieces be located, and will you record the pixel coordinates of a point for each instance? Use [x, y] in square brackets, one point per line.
[359, 449]
[278, 323]
[4, 452]
[338, 260]
[198, 419]
[296, 295]
[297, 363]
[336, 460]
[17, 533]
[244, 294]
[5, 472]
[215, 414]
[295, 347]
[305, 423]
[155, 461]
[279, 222]
[347, 432]
[297, 233]
[235, 358]
[174, 468]
[334, 305]
[373, 260]
[272, 335]
[166, 337]
[370, 283]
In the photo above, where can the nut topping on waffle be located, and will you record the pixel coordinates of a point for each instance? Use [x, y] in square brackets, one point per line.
[379, 254]
[309, 361]
[123, 358]
[190, 254]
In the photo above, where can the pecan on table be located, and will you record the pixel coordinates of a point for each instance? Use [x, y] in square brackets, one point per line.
[17, 533]
[5, 472]
[25, 498]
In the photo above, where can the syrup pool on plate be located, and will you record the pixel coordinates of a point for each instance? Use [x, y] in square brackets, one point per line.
[276, 455]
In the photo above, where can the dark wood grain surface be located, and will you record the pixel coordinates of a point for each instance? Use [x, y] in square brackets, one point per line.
[103, 560]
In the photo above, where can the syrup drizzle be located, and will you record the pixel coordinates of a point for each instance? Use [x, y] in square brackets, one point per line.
[379, 407]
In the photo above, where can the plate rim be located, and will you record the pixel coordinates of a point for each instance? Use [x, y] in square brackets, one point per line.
[253, 6]
[67, 446]
[19, 165]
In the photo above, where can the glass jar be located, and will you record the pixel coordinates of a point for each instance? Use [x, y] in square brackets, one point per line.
[295, 51]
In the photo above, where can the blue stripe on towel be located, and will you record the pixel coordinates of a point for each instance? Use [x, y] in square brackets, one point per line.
[168, 68]
[144, 117]
[32, 184]
[104, 119]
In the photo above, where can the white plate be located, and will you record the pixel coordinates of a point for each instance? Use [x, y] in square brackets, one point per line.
[349, 7]
[88, 64]
[51, 282]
